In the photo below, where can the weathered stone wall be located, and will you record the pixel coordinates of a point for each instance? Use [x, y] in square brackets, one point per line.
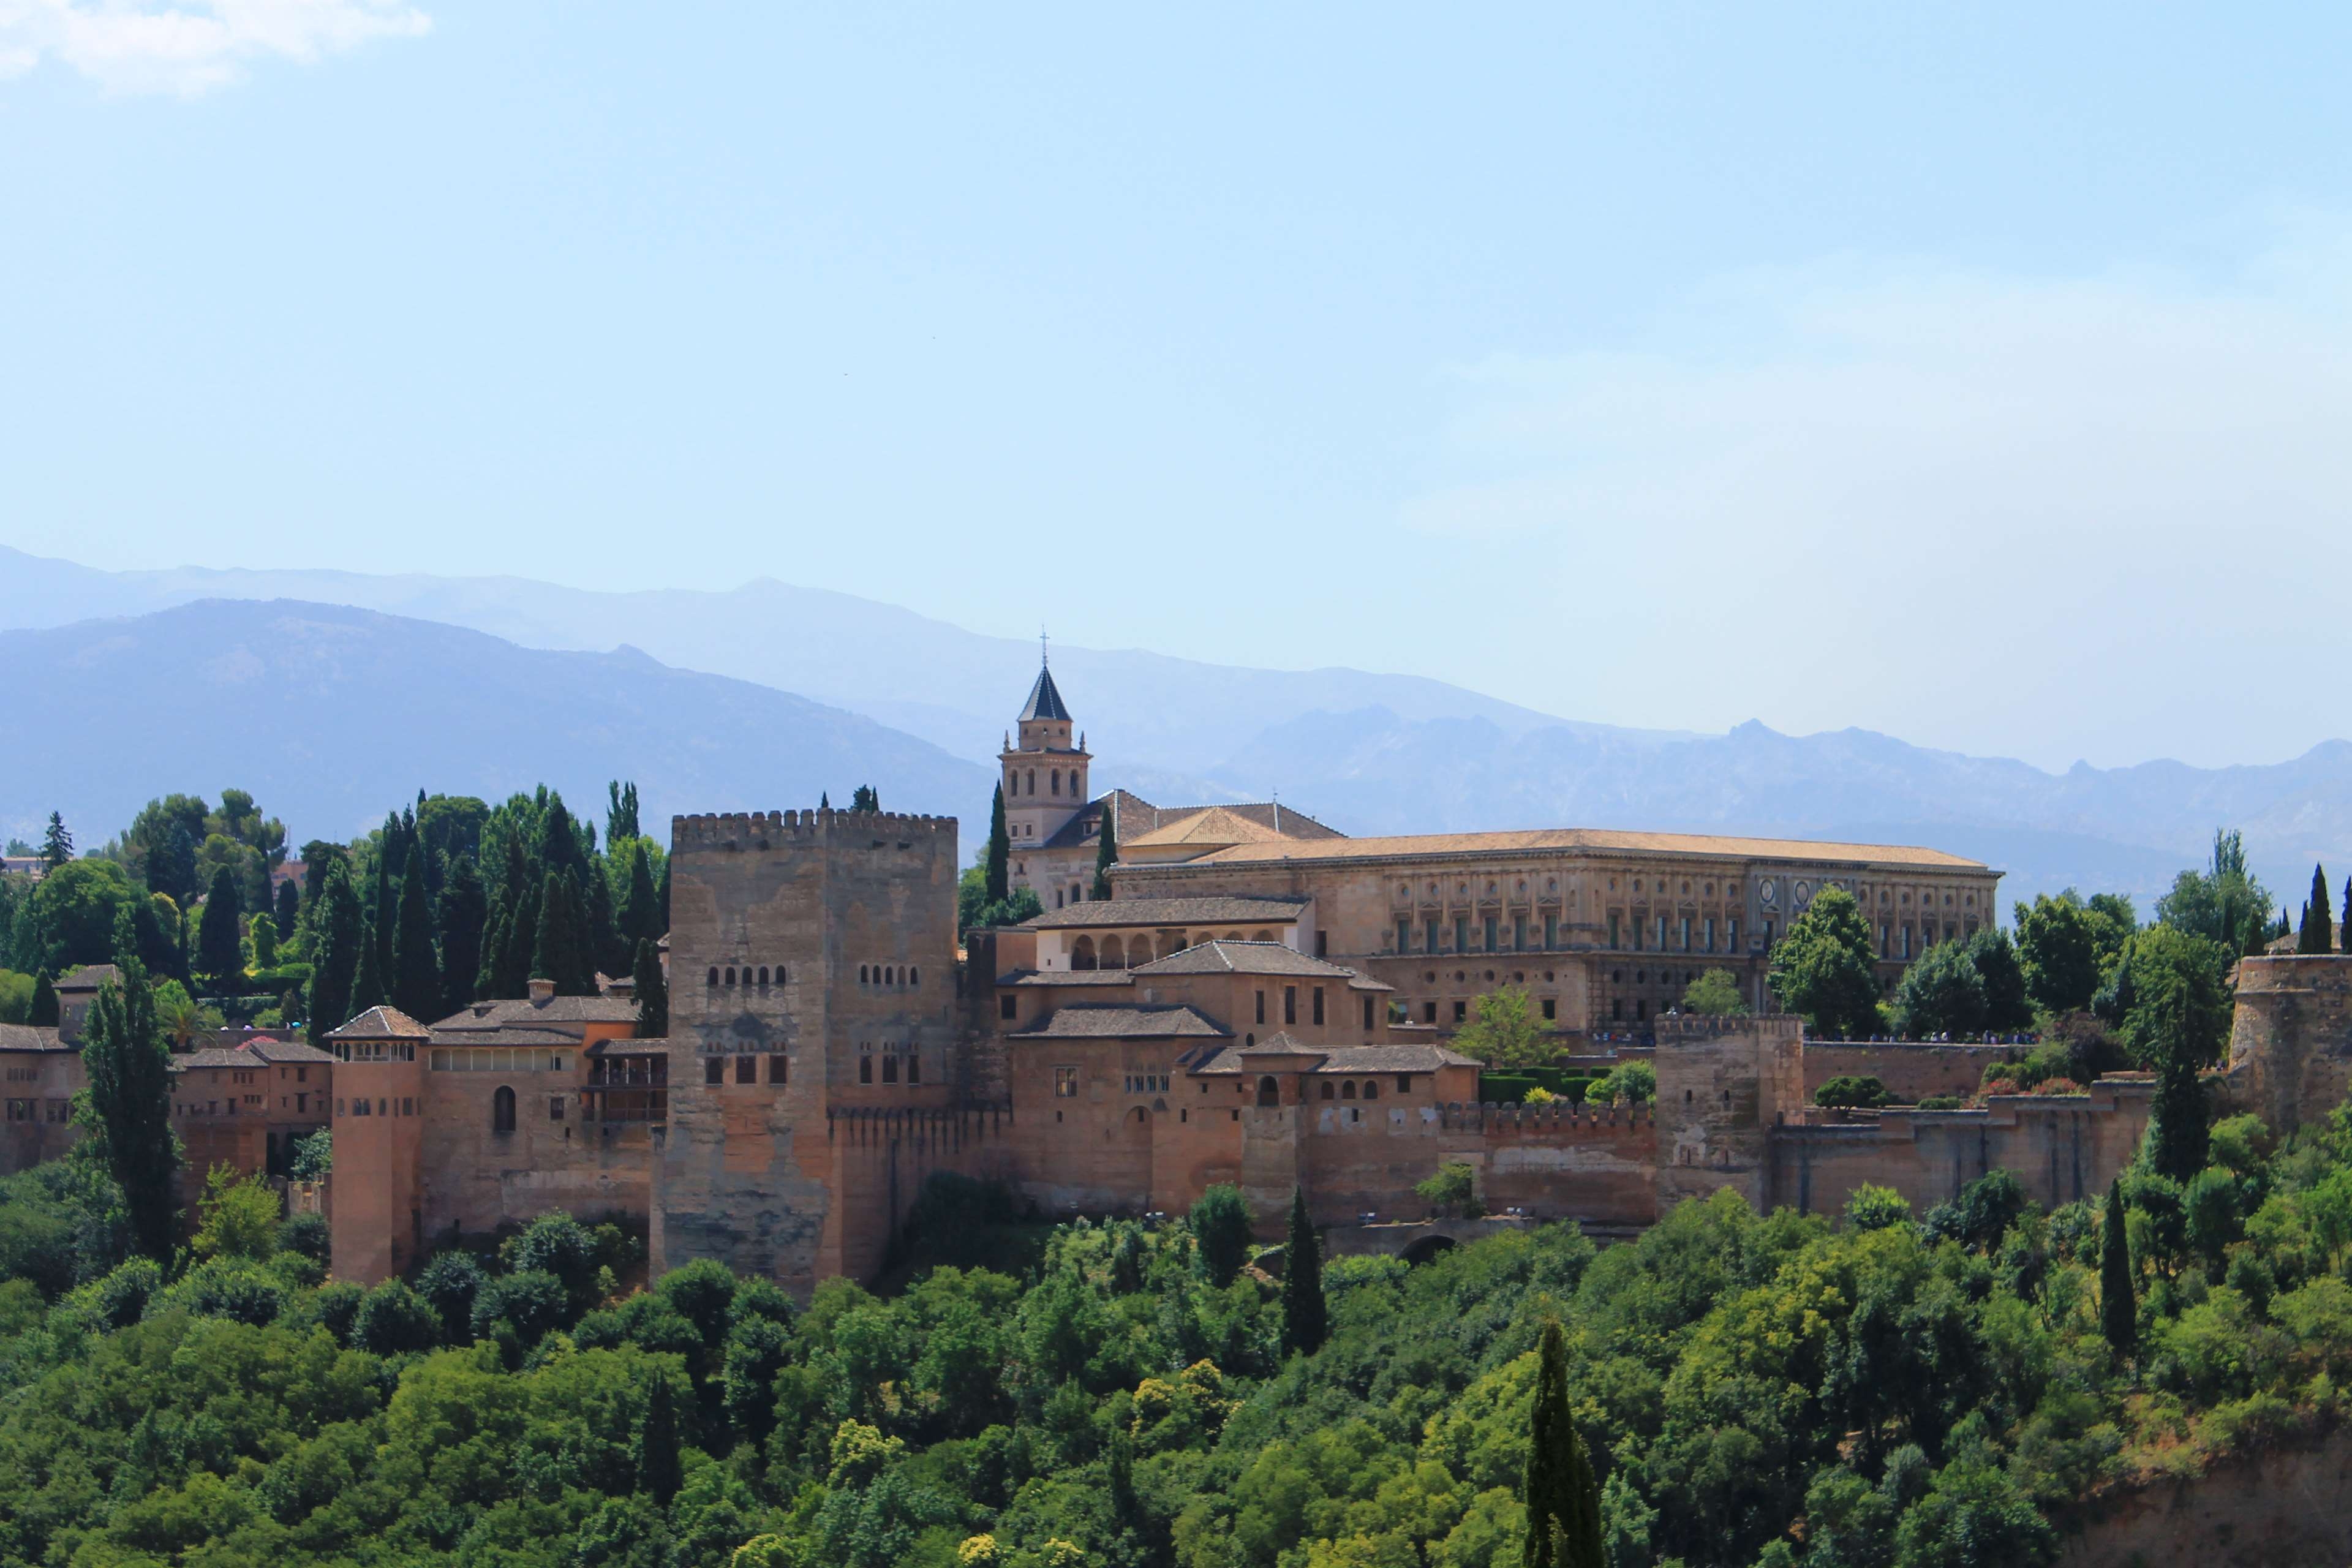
[1910, 1071]
[40, 1085]
[1723, 1084]
[2291, 1039]
[1556, 1160]
[375, 1208]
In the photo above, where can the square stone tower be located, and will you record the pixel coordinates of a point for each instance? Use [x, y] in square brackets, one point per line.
[812, 975]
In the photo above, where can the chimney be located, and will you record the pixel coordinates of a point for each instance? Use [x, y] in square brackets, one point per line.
[542, 991]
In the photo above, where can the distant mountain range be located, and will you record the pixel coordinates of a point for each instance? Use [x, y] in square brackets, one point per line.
[332, 716]
[1367, 752]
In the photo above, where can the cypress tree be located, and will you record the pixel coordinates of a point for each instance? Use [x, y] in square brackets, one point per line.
[659, 1474]
[220, 959]
[823, 801]
[384, 906]
[264, 932]
[415, 980]
[2177, 1139]
[661, 912]
[999, 849]
[128, 1109]
[336, 934]
[367, 980]
[173, 870]
[1562, 1498]
[561, 953]
[1305, 1319]
[464, 911]
[637, 920]
[653, 993]
[2118, 1302]
[494, 948]
[2318, 934]
[290, 907]
[1106, 855]
[865, 799]
[44, 1014]
[600, 944]
[621, 815]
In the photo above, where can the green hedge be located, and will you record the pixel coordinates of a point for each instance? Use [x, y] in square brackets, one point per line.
[1511, 1088]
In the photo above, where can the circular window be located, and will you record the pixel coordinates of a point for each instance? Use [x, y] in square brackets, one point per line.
[1547, 976]
[1459, 977]
[1640, 976]
[1429, 977]
[1518, 977]
[1616, 977]
[1490, 974]
[1551, 884]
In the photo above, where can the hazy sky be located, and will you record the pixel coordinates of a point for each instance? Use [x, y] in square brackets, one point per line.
[1979, 376]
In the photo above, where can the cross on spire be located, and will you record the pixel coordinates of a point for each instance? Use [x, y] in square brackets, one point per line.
[1044, 655]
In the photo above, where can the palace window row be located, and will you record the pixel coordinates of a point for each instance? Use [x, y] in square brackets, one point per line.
[1687, 933]
[747, 1068]
[728, 974]
[1520, 936]
[891, 1066]
[496, 1059]
[889, 974]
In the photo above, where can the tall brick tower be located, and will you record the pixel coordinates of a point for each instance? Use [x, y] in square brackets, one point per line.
[812, 979]
[1045, 769]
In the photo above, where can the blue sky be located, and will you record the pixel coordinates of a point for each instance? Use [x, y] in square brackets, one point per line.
[1979, 375]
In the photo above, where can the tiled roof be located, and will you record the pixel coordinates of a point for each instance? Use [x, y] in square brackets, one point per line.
[381, 1024]
[88, 977]
[26, 1037]
[257, 1053]
[1592, 840]
[629, 1047]
[1219, 956]
[1164, 913]
[517, 1035]
[1406, 1057]
[1068, 977]
[1090, 1022]
[1044, 700]
[524, 1013]
[288, 1052]
[1215, 825]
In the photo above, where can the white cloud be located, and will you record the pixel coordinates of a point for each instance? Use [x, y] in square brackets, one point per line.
[2103, 516]
[187, 48]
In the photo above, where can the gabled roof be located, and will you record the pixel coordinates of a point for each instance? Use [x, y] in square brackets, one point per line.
[88, 977]
[287, 1052]
[1216, 825]
[26, 1037]
[381, 1024]
[1067, 977]
[1219, 956]
[1044, 700]
[1337, 1060]
[1167, 912]
[521, 1012]
[1090, 1022]
[259, 1053]
[1589, 840]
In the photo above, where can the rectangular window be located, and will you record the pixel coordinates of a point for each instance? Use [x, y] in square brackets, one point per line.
[1429, 1012]
[914, 1067]
[1490, 934]
[1461, 934]
[865, 1069]
[1290, 1003]
[1008, 1005]
[1612, 928]
[1261, 1006]
[1431, 936]
[1551, 1008]
[1065, 1083]
[1731, 935]
[1368, 1014]
[1322, 944]
[555, 1107]
[1405, 1083]
[1518, 933]
[1404, 936]
[1884, 945]
[1906, 945]
[714, 1069]
[1319, 1004]
[1771, 932]
[1551, 931]
[889, 1067]
[1662, 933]
[1687, 933]
[1461, 1011]
[747, 1069]
[776, 1067]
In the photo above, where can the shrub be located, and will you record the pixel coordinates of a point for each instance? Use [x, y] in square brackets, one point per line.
[1941, 1102]
[1849, 1091]
[450, 1285]
[1220, 1226]
[1636, 1083]
[1875, 1209]
[395, 1321]
[335, 1307]
[1454, 1190]
[307, 1235]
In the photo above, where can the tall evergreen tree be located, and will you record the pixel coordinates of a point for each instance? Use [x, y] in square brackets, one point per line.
[337, 934]
[1305, 1318]
[44, 1014]
[561, 954]
[2318, 934]
[220, 956]
[660, 1473]
[416, 979]
[1106, 855]
[635, 919]
[464, 911]
[290, 907]
[171, 871]
[559, 842]
[865, 799]
[661, 909]
[1000, 850]
[653, 993]
[367, 980]
[2118, 1302]
[621, 816]
[384, 904]
[128, 1108]
[599, 942]
[1563, 1500]
[57, 844]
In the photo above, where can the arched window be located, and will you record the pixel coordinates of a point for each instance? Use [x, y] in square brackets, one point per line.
[1114, 953]
[1348, 1089]
[731, 974]
[1032, 781]
[763, 978]
[1371, 1090]
[1268, 1091]
[714, 974]
[1328, 1092]
[915, 977]
[865, 1069]
[780, 975]
[1262, 936]
[861, 974]
[890, 1069]
[1082, 955]
[502, 1113]
[1056, 782]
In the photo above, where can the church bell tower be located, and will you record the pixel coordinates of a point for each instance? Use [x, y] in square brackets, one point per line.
[1044, 772]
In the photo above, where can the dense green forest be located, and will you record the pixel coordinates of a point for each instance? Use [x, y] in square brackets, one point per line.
[1882, 1388]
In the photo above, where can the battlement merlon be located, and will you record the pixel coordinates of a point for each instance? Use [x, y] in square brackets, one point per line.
[774, 829]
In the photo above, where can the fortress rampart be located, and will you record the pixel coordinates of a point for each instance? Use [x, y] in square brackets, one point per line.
[2291, 1039]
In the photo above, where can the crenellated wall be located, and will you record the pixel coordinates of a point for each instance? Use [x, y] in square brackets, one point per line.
[2291, 1039]
[1911, 1070]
